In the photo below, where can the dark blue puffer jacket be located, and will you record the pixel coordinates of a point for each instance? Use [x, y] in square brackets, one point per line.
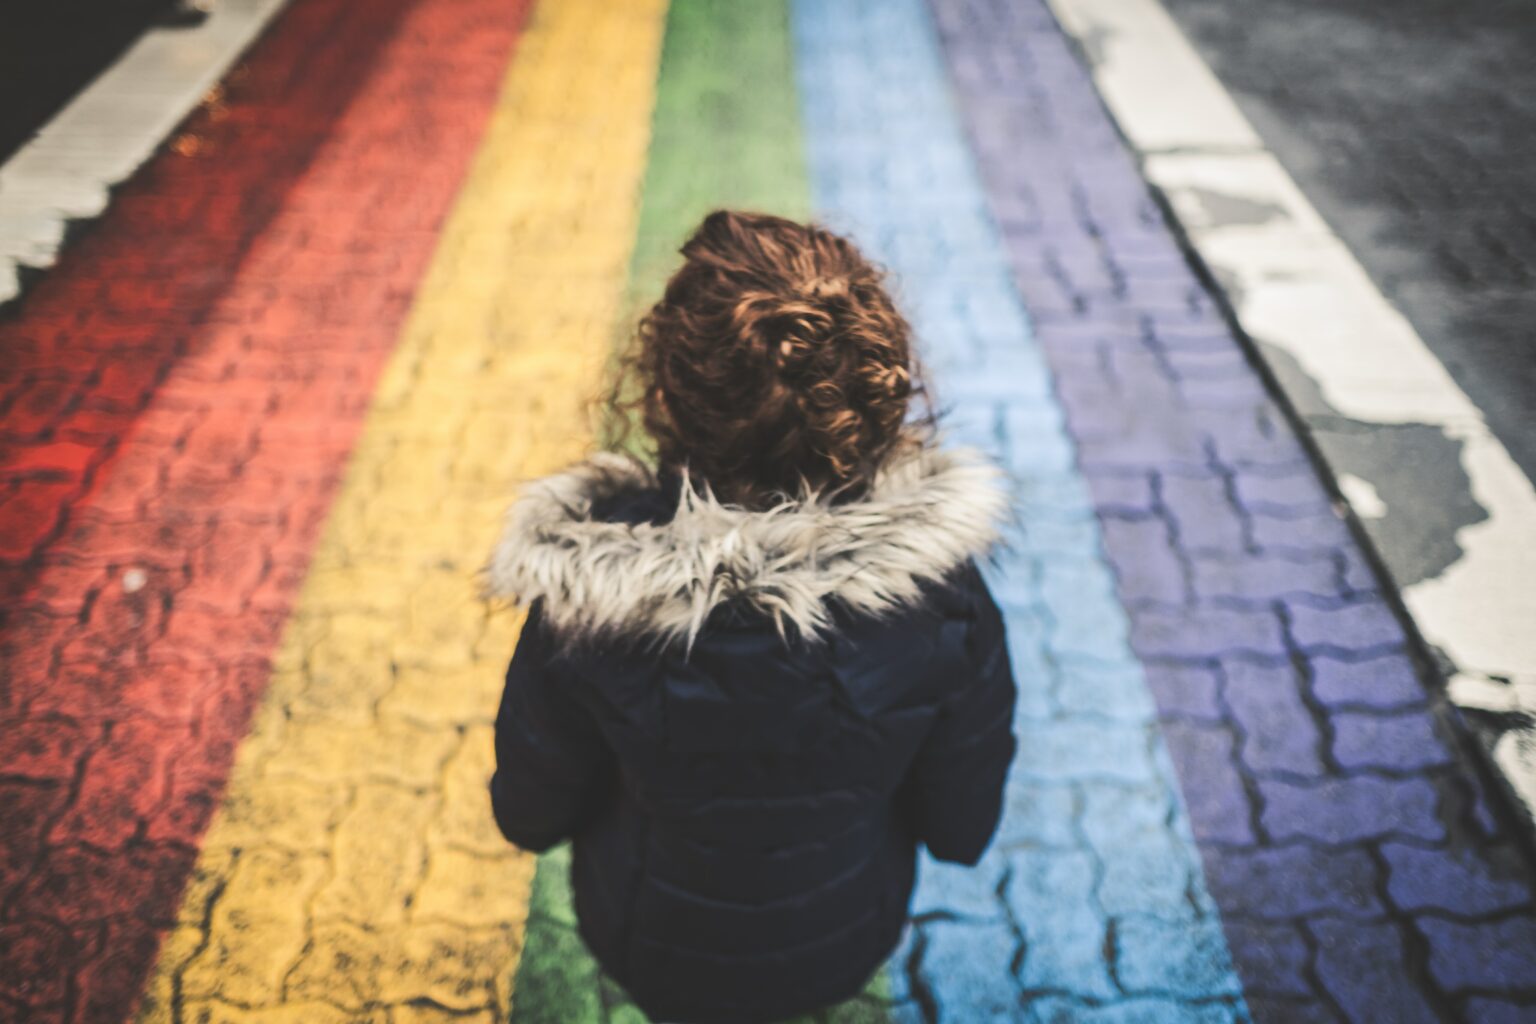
[748, 721]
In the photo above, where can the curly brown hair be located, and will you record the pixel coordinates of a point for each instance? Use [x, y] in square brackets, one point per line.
[774, 362]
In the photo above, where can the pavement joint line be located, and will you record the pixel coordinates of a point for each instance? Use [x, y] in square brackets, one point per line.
[1294, 285]
[65, 174]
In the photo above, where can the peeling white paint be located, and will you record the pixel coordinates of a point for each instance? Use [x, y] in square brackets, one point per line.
[1502, 697]
[1515, 754]
[1301, 289]
[112, 127]
[1482, 610]
[1191, 109]
[1295, 285]
[1362, 497]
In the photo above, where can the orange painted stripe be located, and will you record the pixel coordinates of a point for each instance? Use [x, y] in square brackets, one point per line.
[180, 397]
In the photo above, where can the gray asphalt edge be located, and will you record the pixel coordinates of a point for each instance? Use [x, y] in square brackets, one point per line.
[54, 188]
[1474, 731]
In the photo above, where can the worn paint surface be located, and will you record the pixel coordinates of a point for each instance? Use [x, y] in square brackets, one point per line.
[180, 400]
[354, 871]
[1375, 397]
[1339, 827]
[726, 132]
[1233, 799]
[1091, 901]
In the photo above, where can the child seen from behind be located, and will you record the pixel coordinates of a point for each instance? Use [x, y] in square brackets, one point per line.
[757, 674]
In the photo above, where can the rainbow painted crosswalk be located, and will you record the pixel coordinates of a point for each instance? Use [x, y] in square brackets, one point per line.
[261, 425]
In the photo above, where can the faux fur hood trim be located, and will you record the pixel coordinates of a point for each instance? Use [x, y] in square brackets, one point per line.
[925, 514]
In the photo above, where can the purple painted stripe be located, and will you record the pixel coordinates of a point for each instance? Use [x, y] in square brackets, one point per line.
[1359, 871]
[1090, 905]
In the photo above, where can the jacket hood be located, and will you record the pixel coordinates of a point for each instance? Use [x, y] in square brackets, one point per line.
[925, 514]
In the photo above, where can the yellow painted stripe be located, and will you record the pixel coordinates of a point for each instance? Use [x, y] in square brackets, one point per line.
[354, 872]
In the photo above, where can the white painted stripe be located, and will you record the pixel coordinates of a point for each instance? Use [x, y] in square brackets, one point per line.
[1299, 288]
[111, 128]
[1174, 103]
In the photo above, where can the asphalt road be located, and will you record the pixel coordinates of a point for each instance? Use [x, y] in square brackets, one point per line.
[1411, 125]
[49, 50]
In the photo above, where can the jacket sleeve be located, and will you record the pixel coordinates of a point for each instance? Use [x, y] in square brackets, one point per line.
[553, 767]
[957, 780]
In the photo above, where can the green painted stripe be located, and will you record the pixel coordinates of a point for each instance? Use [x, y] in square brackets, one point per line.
[726, 130]
[726, 133]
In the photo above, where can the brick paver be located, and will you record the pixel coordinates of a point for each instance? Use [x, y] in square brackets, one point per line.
[402, 899]
[1233, 799]
[181, 398]
[725, 132]
[1104, 914]
[1359, 870]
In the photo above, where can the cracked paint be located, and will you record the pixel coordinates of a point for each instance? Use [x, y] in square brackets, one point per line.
[1465, 571]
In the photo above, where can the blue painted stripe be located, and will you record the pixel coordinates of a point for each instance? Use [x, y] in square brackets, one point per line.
[1091, 906]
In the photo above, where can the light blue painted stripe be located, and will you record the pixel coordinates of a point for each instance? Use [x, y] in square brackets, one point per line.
[1095, 850]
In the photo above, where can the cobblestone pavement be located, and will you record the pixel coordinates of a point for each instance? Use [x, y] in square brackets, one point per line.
[180, 402]
[395, 898]
[1359, 871]
[725, 132]
[261, 423]
[1442, 481]
[1091, 894]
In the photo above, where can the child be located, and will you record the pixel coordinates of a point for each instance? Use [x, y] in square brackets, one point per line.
[754, 679]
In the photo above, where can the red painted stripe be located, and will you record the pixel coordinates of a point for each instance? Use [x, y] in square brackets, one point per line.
[178, 400]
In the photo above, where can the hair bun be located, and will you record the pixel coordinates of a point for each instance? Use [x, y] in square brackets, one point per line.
[775, 360]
